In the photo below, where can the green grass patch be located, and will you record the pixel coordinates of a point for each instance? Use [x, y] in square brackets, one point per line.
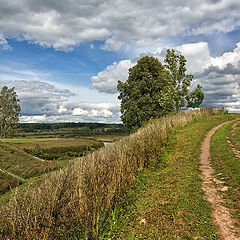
[227, 166]
[235, 135]
[168, 196]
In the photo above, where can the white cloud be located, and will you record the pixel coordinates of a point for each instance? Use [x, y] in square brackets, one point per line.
[79, 112]
[197, 55]
[62, 109]
[4, 44]
[106, 81]
[44, 102]
[65, 24]
[219, 76]
[33, 119]
[228, 58]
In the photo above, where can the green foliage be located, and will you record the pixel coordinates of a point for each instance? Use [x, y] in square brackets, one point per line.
[9, 112]
[145, 94]
[181, 81]
[153, 90]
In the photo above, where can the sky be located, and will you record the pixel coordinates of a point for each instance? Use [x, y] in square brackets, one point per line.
[64, 58]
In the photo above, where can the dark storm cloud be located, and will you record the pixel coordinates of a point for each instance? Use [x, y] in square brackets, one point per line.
[222, 85]
[229, 69]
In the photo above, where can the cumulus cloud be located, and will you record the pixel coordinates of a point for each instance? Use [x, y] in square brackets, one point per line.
[106, 81]
[37, 98]
[43, 102]
[65, 24]
[197, 54]
[219, 76]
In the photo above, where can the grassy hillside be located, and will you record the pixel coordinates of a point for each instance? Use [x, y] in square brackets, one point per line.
[28, 157]
[168, 201]
[84, 197]
[21, 164]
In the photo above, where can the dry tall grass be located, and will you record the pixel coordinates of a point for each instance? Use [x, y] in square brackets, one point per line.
[72, 203]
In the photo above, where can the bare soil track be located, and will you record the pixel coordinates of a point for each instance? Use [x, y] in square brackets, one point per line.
[13, 175]
[210, 185]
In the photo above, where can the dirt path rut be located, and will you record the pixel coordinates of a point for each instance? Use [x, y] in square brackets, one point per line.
[13, 175]
[220, 213]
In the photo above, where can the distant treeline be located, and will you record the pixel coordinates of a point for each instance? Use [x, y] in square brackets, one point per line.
[77, 127]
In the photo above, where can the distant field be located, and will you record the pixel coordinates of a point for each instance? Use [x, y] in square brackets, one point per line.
[56, 148]
[22, 164]
[29, 139]
[108, 138]
[42, 148]
[69, 130]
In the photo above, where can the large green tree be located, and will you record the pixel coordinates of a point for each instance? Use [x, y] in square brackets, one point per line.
[146, 93]
[153, 90]
[9, 112]
[182, 96]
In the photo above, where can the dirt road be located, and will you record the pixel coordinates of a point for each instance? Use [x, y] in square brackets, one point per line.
[220, 213]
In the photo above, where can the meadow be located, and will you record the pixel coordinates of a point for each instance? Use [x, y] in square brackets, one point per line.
[57, 148]
[87, 198]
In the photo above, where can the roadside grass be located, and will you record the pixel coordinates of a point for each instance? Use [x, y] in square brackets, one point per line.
[168, 202]
[227, 167]
[83, 201]
[22, 164]
[235, 135]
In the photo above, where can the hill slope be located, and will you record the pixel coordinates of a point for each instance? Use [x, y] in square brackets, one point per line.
[21, 164]
[91, 198]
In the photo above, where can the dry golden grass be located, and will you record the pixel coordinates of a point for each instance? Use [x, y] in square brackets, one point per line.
[73, 203]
